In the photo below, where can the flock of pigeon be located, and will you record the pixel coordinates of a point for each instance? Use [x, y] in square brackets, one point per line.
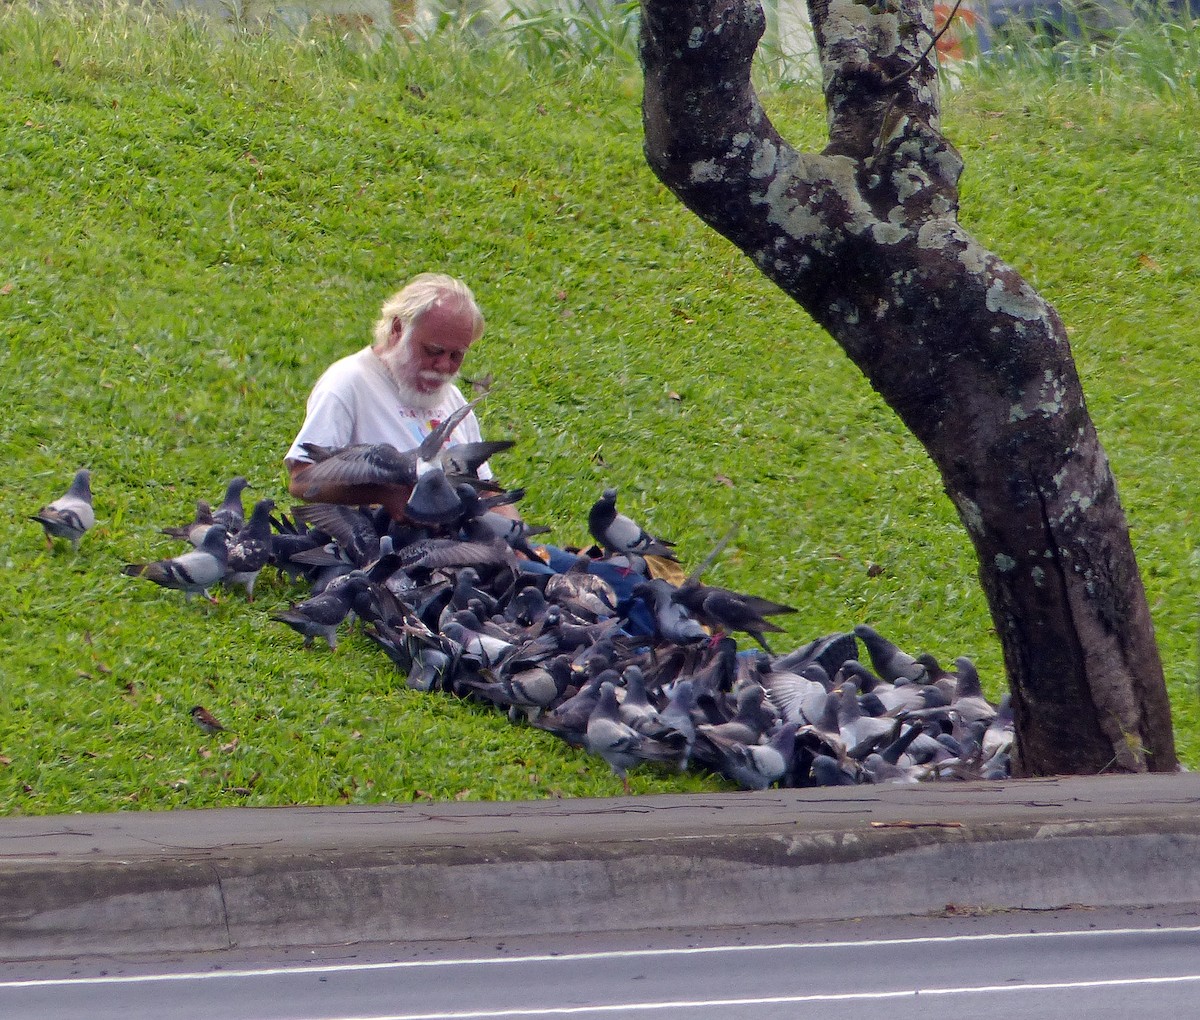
[610, 648]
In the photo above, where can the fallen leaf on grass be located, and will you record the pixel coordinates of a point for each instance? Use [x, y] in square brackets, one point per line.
[723, 480]
[1149, 262]
[5, 759]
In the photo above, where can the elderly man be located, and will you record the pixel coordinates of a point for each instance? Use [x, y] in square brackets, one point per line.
[397, 389]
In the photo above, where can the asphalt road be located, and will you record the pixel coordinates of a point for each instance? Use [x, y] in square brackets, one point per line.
[1095, 963]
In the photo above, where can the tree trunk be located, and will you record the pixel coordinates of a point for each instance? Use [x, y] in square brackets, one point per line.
[865, 237]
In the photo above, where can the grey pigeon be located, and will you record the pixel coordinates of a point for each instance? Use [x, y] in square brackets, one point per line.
[679, 714]
[968, 701]
[726, 611]
[377, 463]
[830, 651]
[723, 610]
[749, 725]
[481, 523]
[230, 513]
[828, 771]
[71, 515]
[479, 644]
[463, 460]
[672, 621]
[890, 661]
[855, 727]
[757, 766]
[193, 572]
[529, 693]
[620, 534]
[619, 744]
[430, 668]
[636, 709]
[356, 533]
[569, 719]
[194, 531]
[798, 697]
[321, 615]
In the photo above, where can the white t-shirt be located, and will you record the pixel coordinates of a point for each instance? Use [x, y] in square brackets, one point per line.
[356, 401]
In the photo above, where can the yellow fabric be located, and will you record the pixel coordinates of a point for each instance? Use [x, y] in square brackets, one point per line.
[668, 570]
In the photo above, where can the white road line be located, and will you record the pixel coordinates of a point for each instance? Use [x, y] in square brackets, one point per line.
[618, 954]
[776, 1000]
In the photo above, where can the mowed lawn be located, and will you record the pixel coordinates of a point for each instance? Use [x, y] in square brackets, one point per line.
[194, 224]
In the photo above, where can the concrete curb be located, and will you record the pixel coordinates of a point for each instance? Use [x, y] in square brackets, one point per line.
[206, 880]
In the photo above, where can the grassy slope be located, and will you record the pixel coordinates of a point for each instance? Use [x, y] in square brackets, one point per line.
[192, 229]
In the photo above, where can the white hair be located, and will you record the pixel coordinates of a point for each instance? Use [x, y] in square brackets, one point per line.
[420, 294]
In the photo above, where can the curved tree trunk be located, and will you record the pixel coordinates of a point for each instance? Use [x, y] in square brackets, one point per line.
[865, 236]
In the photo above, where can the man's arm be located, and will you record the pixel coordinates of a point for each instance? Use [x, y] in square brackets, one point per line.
[393, 497]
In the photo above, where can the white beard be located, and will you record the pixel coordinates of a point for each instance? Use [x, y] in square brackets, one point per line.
[397, 360]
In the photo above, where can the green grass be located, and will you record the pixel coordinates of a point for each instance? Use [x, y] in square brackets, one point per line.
[193, 224]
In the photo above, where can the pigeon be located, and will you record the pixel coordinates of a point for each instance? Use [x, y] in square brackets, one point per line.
[529, 693]
[250, 549]
[853, 725]
[636, 709]
[321, 615]
[432, 501]
[479, 644]
[757, 766]
[193, 572]
[430, 669]
[749, 725]
[569, 719]
[672, 621]
[890, 662]
[463, 460]
[620, 534]
[619, 744]
[203, 718]
[582, 592]
[799, 697]
[356, 534]
[293, 536]
[71, 515]
[230, 512]
[830, 651]
[679, 715]
[968, 701]
[723, 610]
[828, 771]
[481, 523]
[193, 532]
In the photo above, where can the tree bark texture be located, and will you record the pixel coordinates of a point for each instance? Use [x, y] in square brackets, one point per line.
[865, 236]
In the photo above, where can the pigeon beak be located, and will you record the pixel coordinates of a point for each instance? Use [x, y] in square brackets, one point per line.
[433, 500]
